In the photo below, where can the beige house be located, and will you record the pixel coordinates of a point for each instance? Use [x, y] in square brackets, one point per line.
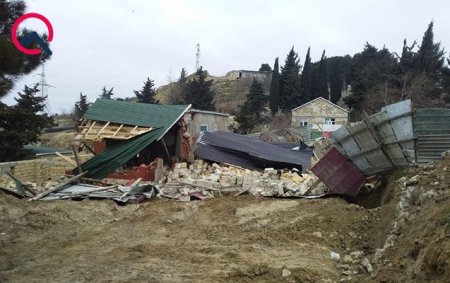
[198, 121]
[320, 114]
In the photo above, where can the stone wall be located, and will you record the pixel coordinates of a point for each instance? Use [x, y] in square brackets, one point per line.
[215, 122]
[262, 77]
[36, 171]
[317, 111]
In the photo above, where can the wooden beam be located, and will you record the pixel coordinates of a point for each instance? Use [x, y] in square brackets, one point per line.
[99, 189]
[118, 129]
[88, 148]
[59, 187]
[103, 128]
[75, 154]
[131, 188]
[87, 133]
[165, 147]
[67, 159]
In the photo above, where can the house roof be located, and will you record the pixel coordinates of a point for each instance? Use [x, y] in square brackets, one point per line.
[160, 117]
[134, 113]
[209, 112]
[320, 98]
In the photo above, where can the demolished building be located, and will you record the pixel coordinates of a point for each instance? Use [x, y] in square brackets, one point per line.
[133, 134]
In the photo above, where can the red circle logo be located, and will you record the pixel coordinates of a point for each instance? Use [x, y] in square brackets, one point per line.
[16, 42]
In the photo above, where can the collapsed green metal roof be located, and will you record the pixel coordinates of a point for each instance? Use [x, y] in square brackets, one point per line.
[112, 158]
[134, 113]
[161, 117]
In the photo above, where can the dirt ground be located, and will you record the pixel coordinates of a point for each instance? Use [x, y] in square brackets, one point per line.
[235, 239]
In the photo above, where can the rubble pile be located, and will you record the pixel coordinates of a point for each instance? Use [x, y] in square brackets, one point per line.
[270, 182]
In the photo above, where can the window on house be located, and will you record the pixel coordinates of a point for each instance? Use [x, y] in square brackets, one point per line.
[303, 122]
[330, 121]
[203, 127]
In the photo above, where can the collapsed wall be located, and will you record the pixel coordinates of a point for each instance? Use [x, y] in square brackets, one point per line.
[36, 171]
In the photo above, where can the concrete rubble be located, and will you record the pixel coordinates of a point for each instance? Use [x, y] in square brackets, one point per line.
[227, 178]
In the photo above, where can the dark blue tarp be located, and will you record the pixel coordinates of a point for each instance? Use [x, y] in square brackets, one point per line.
[252, 153]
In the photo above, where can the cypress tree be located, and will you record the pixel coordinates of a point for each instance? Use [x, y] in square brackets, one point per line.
[430, 57]
[290, 83]
[274, 96]
[322, 85]
[307, 79]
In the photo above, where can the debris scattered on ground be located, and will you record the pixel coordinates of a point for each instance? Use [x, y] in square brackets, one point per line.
[229, 178]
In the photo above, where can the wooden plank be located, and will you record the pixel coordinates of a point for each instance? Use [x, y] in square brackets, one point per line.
[102, 129]
[93, 191]
[316, 183]
[120, 127]
[88, 148]
[131, 188]
[93, 124]
[73, 163]
[75, 154]
[59, 187]
[20, 184]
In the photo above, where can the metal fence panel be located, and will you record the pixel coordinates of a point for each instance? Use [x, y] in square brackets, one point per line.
[432, 129]
[339, 174]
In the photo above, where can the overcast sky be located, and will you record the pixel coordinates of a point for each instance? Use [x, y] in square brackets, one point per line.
[121, 43]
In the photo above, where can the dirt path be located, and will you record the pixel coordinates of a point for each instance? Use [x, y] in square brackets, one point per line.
[223, 239]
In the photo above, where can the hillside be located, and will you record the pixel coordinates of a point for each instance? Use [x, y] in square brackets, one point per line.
[230, 90]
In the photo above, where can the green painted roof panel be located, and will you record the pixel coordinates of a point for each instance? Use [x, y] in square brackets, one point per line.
[134, 113]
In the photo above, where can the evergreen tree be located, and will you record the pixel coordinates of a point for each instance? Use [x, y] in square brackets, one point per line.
[18, 127]
[430, 57]
[408, 56]
[370, 68]
[307, 79]
[250, 113]
[13, 63]
[322, 86]
[177, 95]
[338, 69]
[148, 93]
[81, 106]
[265, 68]
[290, 83]
[183, 76]
[256, 98]
[107, 94]
[274, 96]
[22, 123]
[199, 91]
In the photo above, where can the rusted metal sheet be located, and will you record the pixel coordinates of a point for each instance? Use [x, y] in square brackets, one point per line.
[432, 129]
[339, 174]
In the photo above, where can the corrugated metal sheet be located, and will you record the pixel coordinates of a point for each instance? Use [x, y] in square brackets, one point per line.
[381, 142]
[249, 152]
[113, 157]
[432, 129]
[133, 113]
[339, 174]
[400, 119]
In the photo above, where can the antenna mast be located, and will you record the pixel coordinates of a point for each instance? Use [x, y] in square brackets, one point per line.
[197, 55]
[44, 87]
